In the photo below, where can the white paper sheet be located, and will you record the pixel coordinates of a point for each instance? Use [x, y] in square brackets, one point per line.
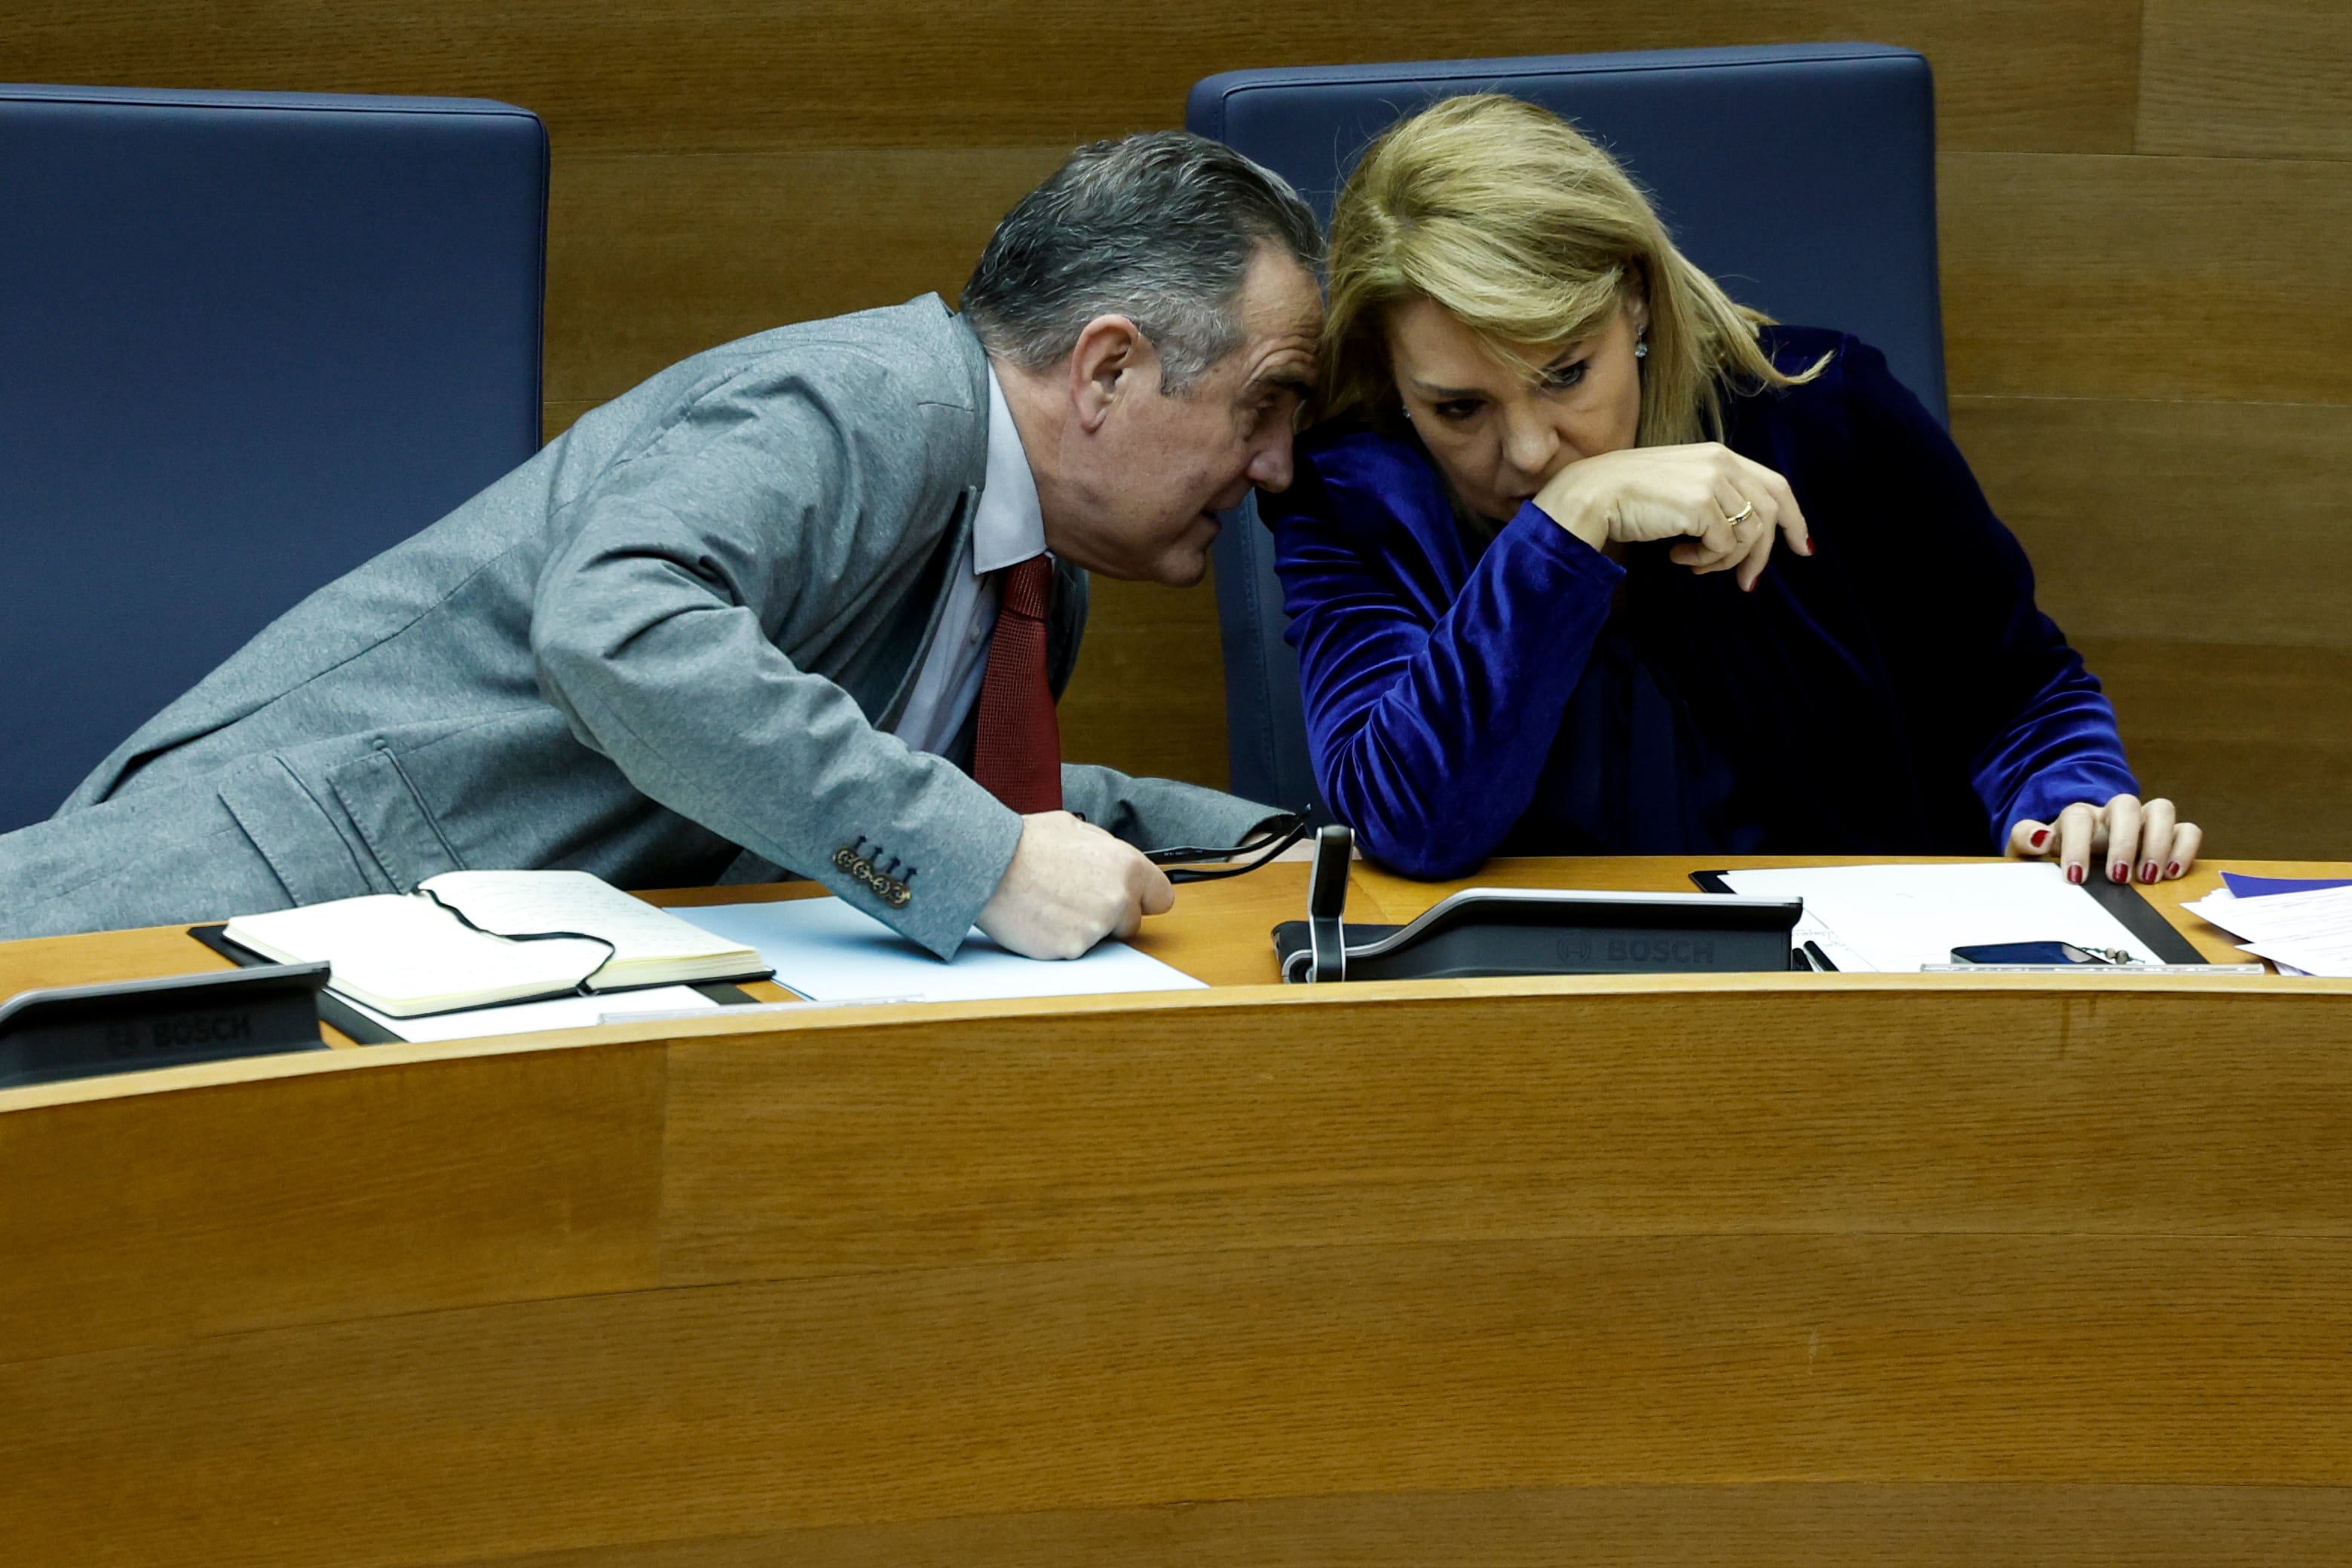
[1896, 918]
[529, 1017]
[2308, 933]
[826, 949]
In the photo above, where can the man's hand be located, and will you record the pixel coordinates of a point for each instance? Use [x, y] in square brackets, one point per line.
[1069, 886]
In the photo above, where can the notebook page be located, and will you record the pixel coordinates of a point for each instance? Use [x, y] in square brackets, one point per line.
[409, 956]
[524, 902]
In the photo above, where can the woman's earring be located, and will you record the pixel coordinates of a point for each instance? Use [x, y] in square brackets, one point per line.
[1641, 343]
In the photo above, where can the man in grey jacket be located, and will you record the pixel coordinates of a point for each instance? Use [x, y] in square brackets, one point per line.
[742, 618]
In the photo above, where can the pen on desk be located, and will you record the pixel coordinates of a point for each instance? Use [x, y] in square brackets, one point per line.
[1821, 960]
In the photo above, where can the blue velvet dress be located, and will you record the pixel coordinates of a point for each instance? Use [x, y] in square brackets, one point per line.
[1898, 692]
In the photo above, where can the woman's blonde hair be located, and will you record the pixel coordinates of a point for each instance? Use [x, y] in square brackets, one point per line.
[1508, 217]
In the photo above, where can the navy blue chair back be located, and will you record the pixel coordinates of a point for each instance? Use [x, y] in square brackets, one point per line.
[247, 342]
[1802, 177]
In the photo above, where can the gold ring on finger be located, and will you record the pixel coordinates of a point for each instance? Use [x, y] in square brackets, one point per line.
[1742, 515]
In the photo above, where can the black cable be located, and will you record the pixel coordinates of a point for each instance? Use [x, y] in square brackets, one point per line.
[580, 988]
[1259, 851]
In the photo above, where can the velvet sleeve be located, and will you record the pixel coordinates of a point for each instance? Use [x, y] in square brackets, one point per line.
[1430, 715]
[1993, 676]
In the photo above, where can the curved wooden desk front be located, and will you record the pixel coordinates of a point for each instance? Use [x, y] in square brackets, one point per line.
[1778, 1269]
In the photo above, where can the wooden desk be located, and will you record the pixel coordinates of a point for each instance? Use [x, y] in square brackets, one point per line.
[1771, 1269]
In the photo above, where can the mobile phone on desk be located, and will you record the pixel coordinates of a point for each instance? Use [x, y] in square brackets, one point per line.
[2050, 953]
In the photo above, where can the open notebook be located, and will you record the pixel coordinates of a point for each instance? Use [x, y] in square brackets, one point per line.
[523, 936]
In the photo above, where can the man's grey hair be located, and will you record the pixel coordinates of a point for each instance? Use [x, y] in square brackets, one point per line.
[1159, 227]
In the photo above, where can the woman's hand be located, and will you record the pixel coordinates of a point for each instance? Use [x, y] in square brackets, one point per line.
[1680, 492]
[2136, 841]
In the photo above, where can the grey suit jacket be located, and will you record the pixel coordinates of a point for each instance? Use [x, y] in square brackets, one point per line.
[678, 634]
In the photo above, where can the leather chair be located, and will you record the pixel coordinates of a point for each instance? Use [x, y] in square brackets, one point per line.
[247, 342]
[1801, 176]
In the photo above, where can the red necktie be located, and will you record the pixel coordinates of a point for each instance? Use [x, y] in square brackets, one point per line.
[1017, 754]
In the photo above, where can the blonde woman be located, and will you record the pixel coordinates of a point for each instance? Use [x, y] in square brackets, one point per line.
[1584, 558]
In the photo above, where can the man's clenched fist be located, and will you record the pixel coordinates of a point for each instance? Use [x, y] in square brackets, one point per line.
[1069, 886]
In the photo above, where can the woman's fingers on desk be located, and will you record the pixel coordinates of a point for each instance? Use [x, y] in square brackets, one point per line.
[2147, 842]
[2079, 834]
[2187, 839]
[2129, 839]
[2123, 838]
[2070, 838]
[2156, 824]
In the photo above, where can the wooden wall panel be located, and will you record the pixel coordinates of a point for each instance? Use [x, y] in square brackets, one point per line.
[394, 1189]
[2253, 741]
[2247, 79]
[2206, 522]
[1766, 1525]
[1110, 1254]
[1148, 696]
[2199, 555]
[1230, 1374]
[2056, 1117]
[2125, 276]
[654, 257]
[700, 75]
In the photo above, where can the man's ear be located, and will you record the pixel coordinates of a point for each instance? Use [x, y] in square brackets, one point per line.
[1108, 350]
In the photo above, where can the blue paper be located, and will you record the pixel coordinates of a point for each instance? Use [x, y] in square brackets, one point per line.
[2245, 887]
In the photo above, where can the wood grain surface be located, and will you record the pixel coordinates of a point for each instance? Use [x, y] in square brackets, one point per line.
[702, 76]
[1468, 1271]
[2180, 521]
[652, 258]
[2246, 79]
[1228, 1373]
[2199, 278]
[1775, 1524]
[2254, 742]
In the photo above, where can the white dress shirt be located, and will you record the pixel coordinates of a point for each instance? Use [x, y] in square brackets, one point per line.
[1006, 528]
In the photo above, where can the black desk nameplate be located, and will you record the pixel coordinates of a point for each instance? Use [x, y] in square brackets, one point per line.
[83, 1031]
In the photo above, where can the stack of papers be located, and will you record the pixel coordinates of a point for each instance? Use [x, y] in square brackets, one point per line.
[2303, 932]
[1899, 919]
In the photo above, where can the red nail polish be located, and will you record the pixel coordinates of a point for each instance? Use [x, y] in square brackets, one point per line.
[2147, 872]
[2173, 870]
[2041, 838]
[2119, 872]
[2074, 873]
